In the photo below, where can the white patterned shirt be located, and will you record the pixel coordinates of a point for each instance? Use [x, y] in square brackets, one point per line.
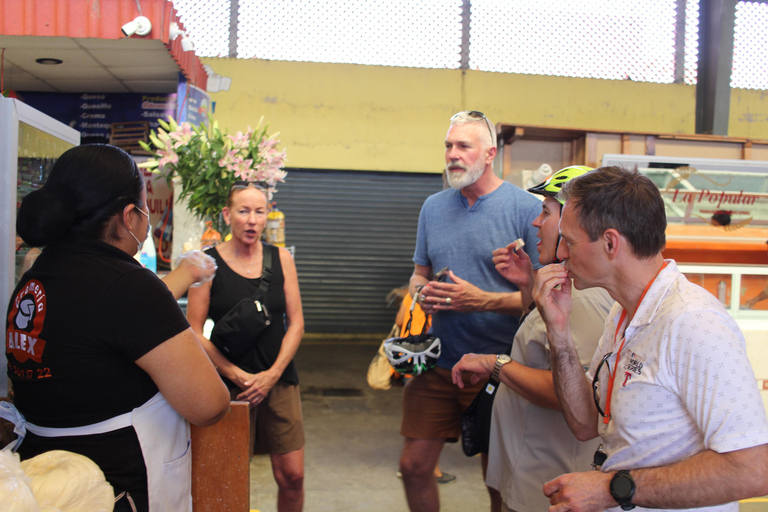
[684, 383]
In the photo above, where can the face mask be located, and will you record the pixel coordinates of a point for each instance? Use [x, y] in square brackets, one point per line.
[141, 244]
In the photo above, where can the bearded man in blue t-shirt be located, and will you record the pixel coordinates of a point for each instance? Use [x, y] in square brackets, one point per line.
[476, 309]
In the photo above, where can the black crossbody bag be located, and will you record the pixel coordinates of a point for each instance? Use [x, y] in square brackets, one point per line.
[237, 331]
[476, 419]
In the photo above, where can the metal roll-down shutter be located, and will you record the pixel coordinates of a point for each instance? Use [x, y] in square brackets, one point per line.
[354, 234]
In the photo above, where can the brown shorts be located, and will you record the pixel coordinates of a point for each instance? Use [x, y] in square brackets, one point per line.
[277, 424]
[433, 404]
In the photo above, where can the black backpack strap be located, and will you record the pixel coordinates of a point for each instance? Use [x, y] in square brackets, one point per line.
[266, 273]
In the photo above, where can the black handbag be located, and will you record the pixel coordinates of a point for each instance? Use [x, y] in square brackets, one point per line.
[476, 420]
[237, 331]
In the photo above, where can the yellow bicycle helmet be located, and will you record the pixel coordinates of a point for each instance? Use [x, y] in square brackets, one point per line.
[551, 187]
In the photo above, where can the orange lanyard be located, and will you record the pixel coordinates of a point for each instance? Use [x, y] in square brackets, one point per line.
[607, 417]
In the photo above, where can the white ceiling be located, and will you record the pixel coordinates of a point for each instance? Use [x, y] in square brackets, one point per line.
[89, 65]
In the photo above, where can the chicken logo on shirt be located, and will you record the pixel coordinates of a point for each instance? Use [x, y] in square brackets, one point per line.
[25, 322]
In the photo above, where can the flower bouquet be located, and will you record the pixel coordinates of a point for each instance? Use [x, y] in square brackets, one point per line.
[208, 162]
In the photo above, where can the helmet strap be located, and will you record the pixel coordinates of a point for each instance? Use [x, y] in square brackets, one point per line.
[557, 246]
[559, 237]
[410, 317]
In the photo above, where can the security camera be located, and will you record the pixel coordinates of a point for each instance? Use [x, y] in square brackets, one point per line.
[186, 43]
[141, 26]
[174, 31]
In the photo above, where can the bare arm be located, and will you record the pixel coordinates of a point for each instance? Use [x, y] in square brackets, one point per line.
[573, 391]
[467, 297]
[187, 379]
[194, 267]
[708, 478]
[534, 385]
[759, 297]
[178, 282]
[422, 274]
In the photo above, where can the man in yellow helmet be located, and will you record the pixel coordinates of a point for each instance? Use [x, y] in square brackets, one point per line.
[530, 442]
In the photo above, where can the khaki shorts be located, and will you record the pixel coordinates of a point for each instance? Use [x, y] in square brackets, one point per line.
[277, 424]
[433, 405]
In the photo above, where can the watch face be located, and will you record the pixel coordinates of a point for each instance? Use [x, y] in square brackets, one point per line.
[622, 487]
[503, 358]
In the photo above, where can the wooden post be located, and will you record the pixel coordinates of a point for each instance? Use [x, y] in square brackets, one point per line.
[221, 477]
[626, 144]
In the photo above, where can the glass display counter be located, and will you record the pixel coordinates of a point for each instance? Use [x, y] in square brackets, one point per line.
[30, 142]
[717, 210]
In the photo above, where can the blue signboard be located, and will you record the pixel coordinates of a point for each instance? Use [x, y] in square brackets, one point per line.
[194, 105]
[92, 114]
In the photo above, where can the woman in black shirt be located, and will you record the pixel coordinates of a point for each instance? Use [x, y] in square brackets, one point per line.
[102, 355]
[265, 377]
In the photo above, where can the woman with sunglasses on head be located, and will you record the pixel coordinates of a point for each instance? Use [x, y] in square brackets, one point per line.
[101, 355]
[265, 376]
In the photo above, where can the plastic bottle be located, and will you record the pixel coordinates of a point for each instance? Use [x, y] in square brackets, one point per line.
[148, 254]
[211, 237]
[276, 227]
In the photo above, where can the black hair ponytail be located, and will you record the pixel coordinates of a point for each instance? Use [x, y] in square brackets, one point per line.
[87, 187]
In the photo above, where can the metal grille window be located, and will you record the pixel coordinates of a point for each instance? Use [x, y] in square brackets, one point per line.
[750, 46]
[610, 39]
[207, 24]
[628, 40]
[378, 32]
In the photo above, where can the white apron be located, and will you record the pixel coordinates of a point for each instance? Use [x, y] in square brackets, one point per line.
[165, 444]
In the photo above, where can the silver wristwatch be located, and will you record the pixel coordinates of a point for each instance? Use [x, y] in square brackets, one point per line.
[501, 360]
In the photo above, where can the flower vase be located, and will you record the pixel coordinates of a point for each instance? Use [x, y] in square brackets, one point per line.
[187, 227]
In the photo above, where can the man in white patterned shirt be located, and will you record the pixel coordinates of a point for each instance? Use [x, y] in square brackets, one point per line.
[670, 390]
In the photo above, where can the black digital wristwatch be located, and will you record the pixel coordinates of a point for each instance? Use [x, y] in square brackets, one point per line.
[622, 489]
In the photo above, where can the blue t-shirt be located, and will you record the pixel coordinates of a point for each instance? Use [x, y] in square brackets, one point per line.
[451, 234]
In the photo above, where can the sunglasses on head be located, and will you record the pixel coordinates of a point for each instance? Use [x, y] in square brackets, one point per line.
[241, 184]
[476, 114]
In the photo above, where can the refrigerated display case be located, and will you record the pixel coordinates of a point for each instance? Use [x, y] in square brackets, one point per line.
[30, 142]
[717, 210]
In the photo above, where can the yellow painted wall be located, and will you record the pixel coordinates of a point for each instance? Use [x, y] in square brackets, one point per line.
[346, 116]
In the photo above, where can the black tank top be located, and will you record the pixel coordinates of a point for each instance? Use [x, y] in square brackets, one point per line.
[228, 288]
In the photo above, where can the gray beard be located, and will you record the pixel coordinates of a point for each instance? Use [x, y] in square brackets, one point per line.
[464, 179]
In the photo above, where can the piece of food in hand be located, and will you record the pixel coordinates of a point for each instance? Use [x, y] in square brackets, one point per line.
[519, 243]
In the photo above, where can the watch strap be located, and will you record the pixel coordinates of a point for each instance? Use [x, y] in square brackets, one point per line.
[497, 369]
